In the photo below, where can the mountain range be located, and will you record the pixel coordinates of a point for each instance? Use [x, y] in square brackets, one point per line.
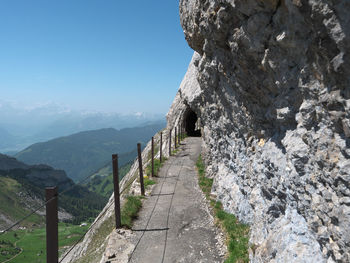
[84, 153]
[19, 127]
[22, 190]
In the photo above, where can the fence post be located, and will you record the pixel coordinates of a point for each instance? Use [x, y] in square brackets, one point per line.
[140, 169]
[51, 225]
[160, 148]
[180, 132]
[170, 142]
[183, 131]
[180, 137]
[175, 139]
[118, 222]
[152, 174]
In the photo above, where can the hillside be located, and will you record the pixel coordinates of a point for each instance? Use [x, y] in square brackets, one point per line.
[83, 153]
[15, 202]
[22, 189]
[102, 182]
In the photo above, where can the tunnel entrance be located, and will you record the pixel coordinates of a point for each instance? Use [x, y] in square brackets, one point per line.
[191, 124]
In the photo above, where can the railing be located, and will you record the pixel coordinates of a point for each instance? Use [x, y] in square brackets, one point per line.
[52, 195]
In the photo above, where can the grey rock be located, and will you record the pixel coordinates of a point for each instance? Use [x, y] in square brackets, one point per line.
[269, 83]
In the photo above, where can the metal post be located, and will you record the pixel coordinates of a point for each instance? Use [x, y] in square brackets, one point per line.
[51, 225]
[175, 138]
[118, 222]
[152, 150]
[160, 147]
[180, 132]
[170, 142]
[180, 137]
[140, 169]
[183, 131]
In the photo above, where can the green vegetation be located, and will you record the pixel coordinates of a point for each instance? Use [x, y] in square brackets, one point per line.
[236, 232]
[13, 206]
[8, 250]
[148, 182]
[102, 183]
[204, 182]
[30, 245]
[97, 244]
[82, 204]
[157, 166]
[82, 154]
[175, 151]
[18, 195]
[22, 189]
[130, 210]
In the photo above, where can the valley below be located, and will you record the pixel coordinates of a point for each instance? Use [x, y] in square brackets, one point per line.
[24, 178]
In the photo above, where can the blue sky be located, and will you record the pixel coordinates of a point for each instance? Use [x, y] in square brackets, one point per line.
[98, 55]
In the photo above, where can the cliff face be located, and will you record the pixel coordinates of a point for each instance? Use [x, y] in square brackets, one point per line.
[269, 82]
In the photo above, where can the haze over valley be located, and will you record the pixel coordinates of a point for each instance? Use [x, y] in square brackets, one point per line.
[21, 127]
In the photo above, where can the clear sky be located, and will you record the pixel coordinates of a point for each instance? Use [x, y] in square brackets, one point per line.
[98, 55]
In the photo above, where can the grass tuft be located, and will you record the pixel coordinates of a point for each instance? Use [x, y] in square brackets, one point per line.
[130, 210]
[147, 182]
[204, 183]
[236, 232]
[157, 166]
[175, 151]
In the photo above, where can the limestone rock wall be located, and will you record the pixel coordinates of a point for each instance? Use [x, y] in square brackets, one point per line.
[270, 83]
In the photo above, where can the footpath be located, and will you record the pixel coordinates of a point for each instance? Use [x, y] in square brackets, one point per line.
[174, 224]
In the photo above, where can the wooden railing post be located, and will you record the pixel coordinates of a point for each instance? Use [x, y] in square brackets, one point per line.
[51, 225]
[140, 169]
[170, 142]
[160, 147]
[118, 222]
[152, 150]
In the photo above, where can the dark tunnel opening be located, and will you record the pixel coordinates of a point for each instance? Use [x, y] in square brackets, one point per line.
[190, 121]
